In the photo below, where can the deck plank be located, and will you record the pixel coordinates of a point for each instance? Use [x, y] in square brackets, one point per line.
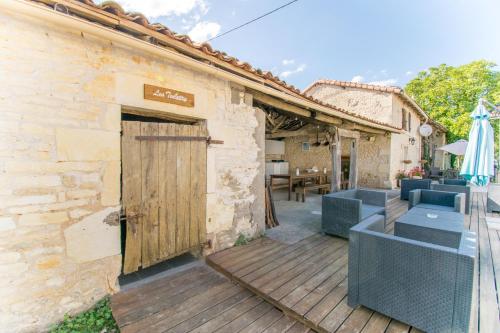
[290, 288]
[474, 227]
[489, 319]
[311, 285]
[205, 302]
[376, 324]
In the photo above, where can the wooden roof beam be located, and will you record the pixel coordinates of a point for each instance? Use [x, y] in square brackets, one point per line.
[365, 129]
[306, 130]
[281, 105]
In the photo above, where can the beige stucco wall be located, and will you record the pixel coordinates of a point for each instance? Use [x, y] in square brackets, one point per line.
[400, 141]
[60, 106]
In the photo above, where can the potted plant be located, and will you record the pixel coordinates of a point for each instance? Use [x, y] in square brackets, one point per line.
[400, 175]
[416, 173]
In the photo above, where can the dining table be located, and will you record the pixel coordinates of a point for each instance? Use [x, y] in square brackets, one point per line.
[302, 178]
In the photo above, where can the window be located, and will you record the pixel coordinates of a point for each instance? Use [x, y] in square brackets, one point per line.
[405, 120]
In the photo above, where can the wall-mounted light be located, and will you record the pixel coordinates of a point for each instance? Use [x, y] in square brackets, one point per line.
[412, 140]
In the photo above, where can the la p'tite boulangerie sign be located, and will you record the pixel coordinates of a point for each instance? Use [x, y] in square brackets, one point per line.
[167, 95]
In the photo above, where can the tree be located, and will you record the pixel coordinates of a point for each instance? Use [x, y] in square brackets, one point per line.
[449, 94]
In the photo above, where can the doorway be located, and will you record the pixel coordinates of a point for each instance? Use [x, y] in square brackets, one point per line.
[163, 190]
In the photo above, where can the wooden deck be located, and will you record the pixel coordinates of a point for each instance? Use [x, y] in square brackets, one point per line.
[289, 288]
[308, 280]
[197, 300]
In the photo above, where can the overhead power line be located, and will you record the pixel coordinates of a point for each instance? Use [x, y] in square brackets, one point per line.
[251, 21]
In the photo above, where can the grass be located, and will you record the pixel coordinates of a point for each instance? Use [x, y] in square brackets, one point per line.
[244, 240]
[99, 319]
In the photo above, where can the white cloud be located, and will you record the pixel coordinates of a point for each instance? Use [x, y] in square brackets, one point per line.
[388, 82]
[383, 72]
[357, 78]
[156, 8]
[287, 62]
[409, 73]
[204, 30]
[299, 69]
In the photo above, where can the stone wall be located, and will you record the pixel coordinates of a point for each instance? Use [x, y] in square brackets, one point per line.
[60, 111]
[316, 156]
[371, 104]
[383, 159]
[373, 163]
[374, 160]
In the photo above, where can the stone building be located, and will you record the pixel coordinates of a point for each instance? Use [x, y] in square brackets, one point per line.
[124, 144]
[385, 155]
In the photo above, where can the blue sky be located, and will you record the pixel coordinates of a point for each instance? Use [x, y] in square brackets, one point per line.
[384, 41]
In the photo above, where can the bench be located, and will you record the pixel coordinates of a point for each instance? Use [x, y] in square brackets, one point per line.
[301, 190]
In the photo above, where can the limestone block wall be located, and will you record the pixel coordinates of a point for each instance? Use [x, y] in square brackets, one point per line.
[371, 104]
[60, 109]
[373, 158]
[374, 162]
[316, 156]
[388, 152]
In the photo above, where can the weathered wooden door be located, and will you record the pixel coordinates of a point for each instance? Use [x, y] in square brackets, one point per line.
[163, 190]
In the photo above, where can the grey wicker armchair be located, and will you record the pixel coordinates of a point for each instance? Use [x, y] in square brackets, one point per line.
[461, 182]
[341, 210]
[408, 185]
[457, 189]
[435, 173]
[438, 200]
[421, 284]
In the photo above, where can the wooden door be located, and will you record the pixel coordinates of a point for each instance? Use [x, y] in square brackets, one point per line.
[163, 190]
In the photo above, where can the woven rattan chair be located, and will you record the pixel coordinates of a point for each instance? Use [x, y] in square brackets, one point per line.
[421, 284]
[408, 185]
[461, 182]
[456, 189]
[341, 210]
[438, 200]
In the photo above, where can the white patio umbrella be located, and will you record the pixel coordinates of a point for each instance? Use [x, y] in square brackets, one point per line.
[456, 148]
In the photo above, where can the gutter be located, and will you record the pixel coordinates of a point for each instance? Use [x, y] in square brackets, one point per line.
[63, 20]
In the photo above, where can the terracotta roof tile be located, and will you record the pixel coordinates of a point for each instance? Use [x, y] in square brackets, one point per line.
[114, 8]
[391, 89]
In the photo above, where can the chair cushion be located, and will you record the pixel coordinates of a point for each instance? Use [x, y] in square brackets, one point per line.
[436, 207]
[369, 210]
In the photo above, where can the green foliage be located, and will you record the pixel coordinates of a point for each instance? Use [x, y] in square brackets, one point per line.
[99, 319]
[242, 240]
[449, 94]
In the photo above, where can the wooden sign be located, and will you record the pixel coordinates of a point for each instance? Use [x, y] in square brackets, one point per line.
[167, 95]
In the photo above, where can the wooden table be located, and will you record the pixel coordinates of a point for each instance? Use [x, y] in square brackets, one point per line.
[317, 177]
